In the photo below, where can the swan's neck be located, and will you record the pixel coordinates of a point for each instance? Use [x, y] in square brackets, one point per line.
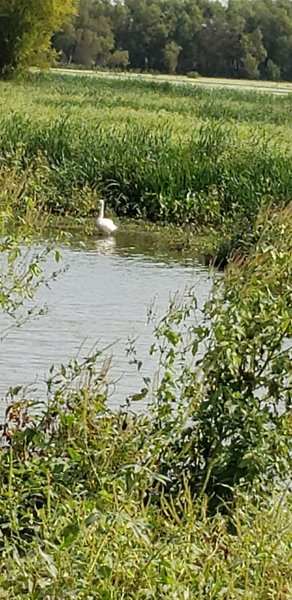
[101, 210]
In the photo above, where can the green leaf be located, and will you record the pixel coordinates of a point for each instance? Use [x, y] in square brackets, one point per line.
[70, 533]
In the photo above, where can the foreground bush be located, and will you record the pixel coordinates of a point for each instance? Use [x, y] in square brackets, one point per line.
[236, 398]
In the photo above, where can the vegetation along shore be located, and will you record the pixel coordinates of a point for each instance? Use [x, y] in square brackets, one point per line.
[167, 154]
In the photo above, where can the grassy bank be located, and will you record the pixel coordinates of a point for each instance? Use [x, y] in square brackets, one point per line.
[164, 153]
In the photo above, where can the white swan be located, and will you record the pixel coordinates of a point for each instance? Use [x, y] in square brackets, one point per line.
[105, 226]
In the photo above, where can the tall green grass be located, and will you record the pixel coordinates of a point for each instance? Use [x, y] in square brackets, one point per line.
[154, 150]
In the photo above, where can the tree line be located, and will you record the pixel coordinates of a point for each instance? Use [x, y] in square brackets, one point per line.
[243, 38]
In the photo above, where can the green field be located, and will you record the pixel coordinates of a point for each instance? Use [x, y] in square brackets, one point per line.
[169, 154]
[277, 87]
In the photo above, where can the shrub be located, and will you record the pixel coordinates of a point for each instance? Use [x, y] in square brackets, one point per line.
[193, 74]
[236, 398]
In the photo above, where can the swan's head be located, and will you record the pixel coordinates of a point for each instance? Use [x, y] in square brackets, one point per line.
[101, 203]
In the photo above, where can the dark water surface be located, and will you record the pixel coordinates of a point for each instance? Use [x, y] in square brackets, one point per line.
[102, 298]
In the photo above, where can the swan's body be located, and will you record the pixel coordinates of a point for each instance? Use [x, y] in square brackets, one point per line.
[105, 226]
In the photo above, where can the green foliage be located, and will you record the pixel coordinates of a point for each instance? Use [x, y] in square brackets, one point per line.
[193, 74]
[74, 520]
[235, 400]
[273, 72]
[170, 57]
[119, 59]
[250, 67]
[26, 28]
[254, 54]
[23, 265]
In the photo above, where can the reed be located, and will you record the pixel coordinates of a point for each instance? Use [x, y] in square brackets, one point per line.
[160, 151]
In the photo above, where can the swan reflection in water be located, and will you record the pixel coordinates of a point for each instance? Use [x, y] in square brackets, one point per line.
[105, 245]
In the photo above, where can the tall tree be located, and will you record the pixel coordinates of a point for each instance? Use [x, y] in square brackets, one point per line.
[189, 19]
[146, 33]
[26, 28]
[254, 53]
[88, 40]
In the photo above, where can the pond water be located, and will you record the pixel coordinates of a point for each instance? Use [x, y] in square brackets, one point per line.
[102, 299]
